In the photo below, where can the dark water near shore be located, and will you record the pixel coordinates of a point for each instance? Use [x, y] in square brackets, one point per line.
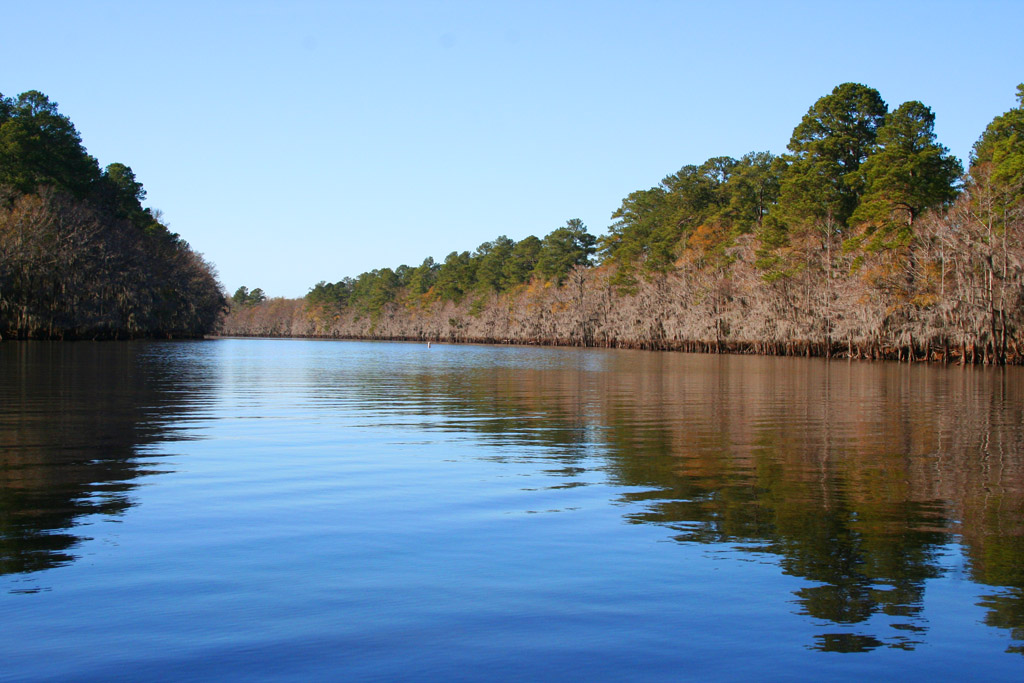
[304, 510]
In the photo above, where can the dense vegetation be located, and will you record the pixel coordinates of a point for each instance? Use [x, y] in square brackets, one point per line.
[79, 255]
[494, 267]
[866, 238]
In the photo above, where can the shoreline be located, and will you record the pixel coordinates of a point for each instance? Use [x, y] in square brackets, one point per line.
[799, 349]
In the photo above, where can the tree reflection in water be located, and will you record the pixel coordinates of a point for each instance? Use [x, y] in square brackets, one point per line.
[74, 420]
[856, 477]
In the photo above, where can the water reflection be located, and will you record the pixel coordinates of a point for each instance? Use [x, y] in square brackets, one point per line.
[858, 478]
[74, 419]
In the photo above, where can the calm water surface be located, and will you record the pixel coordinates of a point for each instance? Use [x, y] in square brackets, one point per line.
[270, 510]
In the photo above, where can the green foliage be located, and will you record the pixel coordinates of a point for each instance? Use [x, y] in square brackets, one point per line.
[243, 297]
[906, 173]
[1000, 150]
[854, 181]
[650, 223]
[823, 185]
[337, 293]
[750, 191]
[403, 275]
[565, 248]
[841, 127]
[423, 277]
[123, 194]
[491, 259]
[636, 220]
[79, 255]
[773, 238]
[456, 277]
[494, 267]
[367, 294]
[373, 290]
[40, 146]
[477, 307]
[521, 262]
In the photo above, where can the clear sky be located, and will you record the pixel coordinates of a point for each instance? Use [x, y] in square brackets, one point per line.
[293, 142]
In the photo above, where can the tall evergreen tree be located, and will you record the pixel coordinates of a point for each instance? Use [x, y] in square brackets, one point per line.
[1001, 149]
[823, 184]
[906, 173]
[564, 248]
[39, 145]
[521, 262]
[750, 191]
[491, 257]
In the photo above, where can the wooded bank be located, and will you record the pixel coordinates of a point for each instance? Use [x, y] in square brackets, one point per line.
[951, 311]
[80, 258]
[866, 240]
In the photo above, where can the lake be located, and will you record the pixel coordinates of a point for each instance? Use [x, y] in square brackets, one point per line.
[311, 510]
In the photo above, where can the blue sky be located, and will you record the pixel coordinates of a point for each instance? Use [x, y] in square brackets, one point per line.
[293, 142]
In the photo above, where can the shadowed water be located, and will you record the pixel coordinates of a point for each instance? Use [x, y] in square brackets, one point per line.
[256, 509]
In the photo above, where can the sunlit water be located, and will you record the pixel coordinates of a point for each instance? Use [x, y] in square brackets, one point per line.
[268, 510]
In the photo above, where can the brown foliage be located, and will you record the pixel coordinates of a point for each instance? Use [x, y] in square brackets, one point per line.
[68, 271]
[954, 292]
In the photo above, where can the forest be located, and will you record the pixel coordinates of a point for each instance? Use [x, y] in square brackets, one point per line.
[80, 258]
[865, 239]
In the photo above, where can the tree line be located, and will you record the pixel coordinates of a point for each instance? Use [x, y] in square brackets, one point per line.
[79, 255]
[865, 238]
[494, 267]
